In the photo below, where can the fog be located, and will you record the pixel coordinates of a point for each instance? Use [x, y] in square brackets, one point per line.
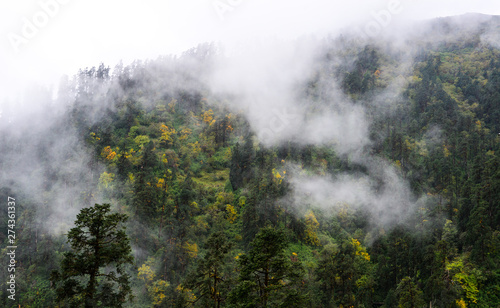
[69, 35]
[268, 58]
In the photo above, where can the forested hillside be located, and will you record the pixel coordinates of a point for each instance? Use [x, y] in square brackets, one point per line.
[382, 190]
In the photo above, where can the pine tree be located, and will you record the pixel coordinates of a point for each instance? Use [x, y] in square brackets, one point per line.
[235, 176]
[93, 274]
[209, 277]
[241, 171]
[145, 193]
[409, 294]
[268, 278]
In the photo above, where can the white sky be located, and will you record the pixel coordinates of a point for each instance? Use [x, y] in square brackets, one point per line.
[83, 33]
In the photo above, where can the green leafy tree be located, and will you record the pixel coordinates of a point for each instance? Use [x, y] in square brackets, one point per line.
[93, 274]
[464, 274]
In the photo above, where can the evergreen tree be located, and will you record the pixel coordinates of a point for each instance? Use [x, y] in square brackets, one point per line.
[241, 170]
[343, 273]
[209, 278]
[269, 278]
[145, 194]
[93, 273]
[235, 172]
[409, 294]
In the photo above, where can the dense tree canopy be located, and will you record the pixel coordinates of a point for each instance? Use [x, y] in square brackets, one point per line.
[220, 218]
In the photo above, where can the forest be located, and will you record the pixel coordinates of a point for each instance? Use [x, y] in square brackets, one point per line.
[374, 181]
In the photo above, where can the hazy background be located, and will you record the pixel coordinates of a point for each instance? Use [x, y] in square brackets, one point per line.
[84, 33]
[275, 48]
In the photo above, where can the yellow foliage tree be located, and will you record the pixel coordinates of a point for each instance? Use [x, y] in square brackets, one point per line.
[156, 289]
[188, 293]
[146, 274]
[208, 116]
[166, 134]
[201, 223]
[231, 212]
[164, 159]
[157, 292]
[360, 250]
[191, 249]
[419, 146]
[277, 176]
[461, 303]
[94, 137]
[465, 275]
[344, 213]
[195, 149]
[185, 132]
[161, 184]
[108, 153]
[171, 105]
[129, 154]
[446, 152]
[312, 225]
[105, 179]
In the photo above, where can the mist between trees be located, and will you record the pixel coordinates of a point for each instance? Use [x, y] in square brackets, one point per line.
[360, 170]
